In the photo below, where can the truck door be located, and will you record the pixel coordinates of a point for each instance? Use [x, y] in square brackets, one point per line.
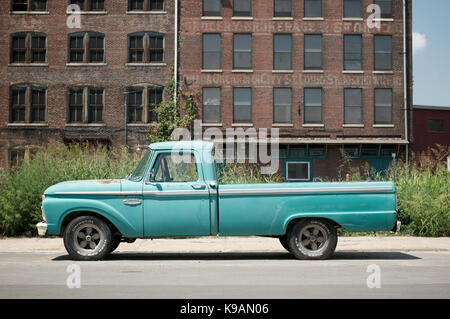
[176, 198]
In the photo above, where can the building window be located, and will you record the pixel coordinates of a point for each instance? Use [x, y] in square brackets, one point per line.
[313, 8]
[28, 104]
[352, 151]
[89, 5]
[95, 105]
[141, 103]
[86, 47]
[242, 105]
[352, 106]
[28, 48]
[211, 51]
[313, 105]
[29, 5]
[86, 104]
[145, 5]
[383, 52]
[282, 52]
[282, 8]
[435, 126]
[18, 155]
[147, 47]
[212, 8]
[298, 171]
[282, 104]
[352, 52]
[242, 51]
[386, 8]
[211, 105]
[242, 8]
[313, 51]
[352, 8]
[383, 106]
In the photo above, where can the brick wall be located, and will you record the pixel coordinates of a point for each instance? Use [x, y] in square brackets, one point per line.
[115, 76]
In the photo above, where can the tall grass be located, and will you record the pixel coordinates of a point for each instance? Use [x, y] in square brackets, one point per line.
[21, 189]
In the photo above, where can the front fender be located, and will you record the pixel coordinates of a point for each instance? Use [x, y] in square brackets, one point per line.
[127, 220]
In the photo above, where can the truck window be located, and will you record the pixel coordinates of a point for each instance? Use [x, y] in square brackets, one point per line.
[175, 168]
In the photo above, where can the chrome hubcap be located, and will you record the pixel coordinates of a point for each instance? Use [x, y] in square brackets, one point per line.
[88, 238]
[313, 237]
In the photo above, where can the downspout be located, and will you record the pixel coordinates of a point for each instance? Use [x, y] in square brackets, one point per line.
[405, 84]
[175, 67]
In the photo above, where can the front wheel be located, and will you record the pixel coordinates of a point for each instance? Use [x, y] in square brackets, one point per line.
[88, 238]
[312, 239]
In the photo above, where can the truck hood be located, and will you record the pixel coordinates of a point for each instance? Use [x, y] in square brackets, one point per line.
[82, 186]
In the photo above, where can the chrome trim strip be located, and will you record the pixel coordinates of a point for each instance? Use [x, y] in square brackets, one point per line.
[306, 190]
[176, 193]
[99, 193]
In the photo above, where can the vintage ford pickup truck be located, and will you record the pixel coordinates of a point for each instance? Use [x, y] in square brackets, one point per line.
[173, 192]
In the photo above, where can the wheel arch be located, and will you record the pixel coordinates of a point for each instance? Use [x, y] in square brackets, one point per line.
[72, 215]
[290, 223]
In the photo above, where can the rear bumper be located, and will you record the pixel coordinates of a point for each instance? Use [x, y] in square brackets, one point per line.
[397, 226]
[42, 228]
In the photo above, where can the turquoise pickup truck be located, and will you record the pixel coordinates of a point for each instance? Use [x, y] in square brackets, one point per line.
[173, 192]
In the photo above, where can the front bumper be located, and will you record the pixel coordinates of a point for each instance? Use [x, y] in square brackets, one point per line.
[42, 228]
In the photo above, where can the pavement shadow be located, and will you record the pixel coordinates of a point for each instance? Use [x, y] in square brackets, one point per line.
[141, 256]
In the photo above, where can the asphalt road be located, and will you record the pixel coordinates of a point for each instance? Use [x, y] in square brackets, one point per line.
[226, 275]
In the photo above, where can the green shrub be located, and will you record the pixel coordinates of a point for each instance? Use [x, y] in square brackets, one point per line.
[235, 173]
[22, 188]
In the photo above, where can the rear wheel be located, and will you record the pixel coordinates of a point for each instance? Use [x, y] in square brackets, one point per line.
[88, 238]
[312, 239]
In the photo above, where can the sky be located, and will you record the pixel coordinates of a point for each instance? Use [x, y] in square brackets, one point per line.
[431, 56]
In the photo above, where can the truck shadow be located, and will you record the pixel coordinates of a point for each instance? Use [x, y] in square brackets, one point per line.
[140, 256]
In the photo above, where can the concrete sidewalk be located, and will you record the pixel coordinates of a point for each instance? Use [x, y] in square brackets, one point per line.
[236, 244]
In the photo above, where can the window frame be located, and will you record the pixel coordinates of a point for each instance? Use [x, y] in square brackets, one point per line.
[211, 15]
[321, 105]
[29, 4]
[346, 36]
[85, 104]
[234, 106]
[145, 105]
[431, 128]
[247, 52]
[207, 105]
[146, 6]
[375, 53]
[391, 106]
[281, 15]
[28, 89]
[204, 51]
[353, 106]
[305, 52]
[86, 50]
[275, 105]
[352, 17]
[147, 49]
[242, 15]
[312, 16]
[157, 164]
[298, 179]
[390, 15]
[28, 49]
[277, 52]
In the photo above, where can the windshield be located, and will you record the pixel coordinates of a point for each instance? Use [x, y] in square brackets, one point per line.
[139, 172]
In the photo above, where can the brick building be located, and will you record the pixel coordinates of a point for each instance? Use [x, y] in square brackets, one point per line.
[314, 69]
[93, 80]
[431, 126]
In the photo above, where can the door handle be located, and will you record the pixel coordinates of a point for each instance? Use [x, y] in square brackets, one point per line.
[198, 186]
[132, 202]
